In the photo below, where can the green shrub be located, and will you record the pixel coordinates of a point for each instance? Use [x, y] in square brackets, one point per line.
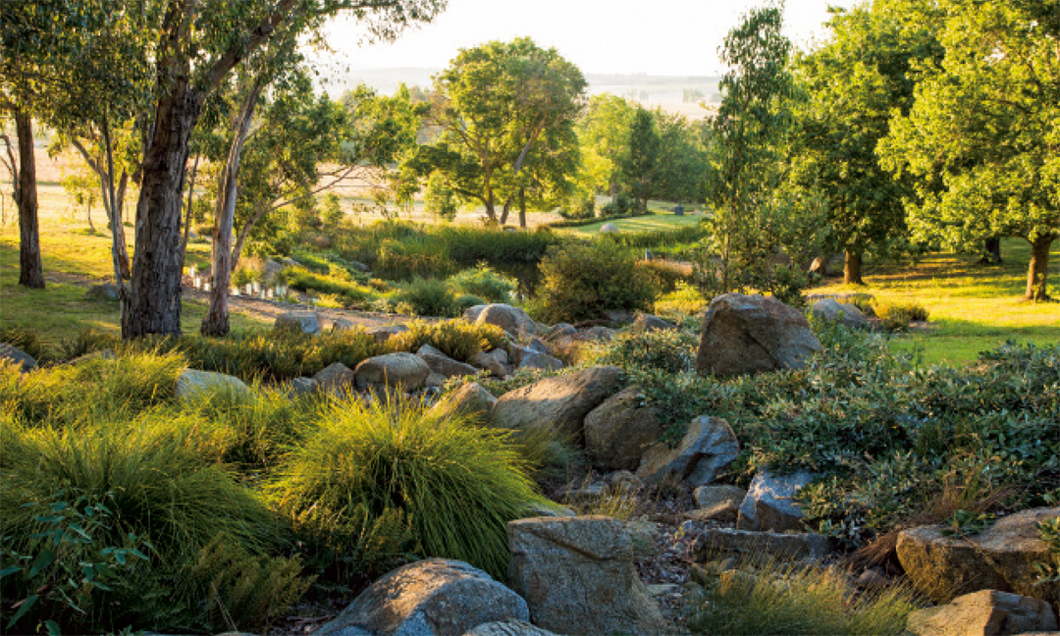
[580, 281]
[670, 351]
[485, 283]
[579, 209]
[413, 258]
[337, 283]
[897, 316]
[464, 302]
[426, 297]
[458, 484]
[786, 601]
[666, 275]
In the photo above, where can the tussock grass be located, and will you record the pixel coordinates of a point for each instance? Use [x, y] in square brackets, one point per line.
[458, 484]
[790, 601]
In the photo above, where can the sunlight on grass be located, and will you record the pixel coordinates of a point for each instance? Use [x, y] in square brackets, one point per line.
[972, 307]
[660, 221]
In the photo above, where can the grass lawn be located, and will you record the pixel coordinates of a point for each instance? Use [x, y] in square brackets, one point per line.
[659, 221]
[74, 257]
[972, 307]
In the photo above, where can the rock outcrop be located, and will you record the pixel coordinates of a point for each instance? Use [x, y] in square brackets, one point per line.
[984, 613]
[557, 404]
[707, 448]
[753, 334]
[193, 384]
[402, 370]
[302, 321]
[619, 430]
[768, 504]
[435, 597]
[578, 577]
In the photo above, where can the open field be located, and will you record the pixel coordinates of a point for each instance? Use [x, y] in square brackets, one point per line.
[972, 307]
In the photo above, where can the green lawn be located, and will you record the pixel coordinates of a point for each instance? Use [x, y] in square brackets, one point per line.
[659, 221]
[972, 307]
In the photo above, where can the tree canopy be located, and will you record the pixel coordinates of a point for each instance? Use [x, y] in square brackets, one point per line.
[983, 135]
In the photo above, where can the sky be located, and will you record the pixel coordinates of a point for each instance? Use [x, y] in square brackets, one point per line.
[654, 37]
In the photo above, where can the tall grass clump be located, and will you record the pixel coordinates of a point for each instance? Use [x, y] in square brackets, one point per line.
[457, 484]
[159, 496]
[484, 282]
[783, 600]
[94, 388]
[23, 338]
[457, 338]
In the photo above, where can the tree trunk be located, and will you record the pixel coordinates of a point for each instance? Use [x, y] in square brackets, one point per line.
[244, 232]
[1038, 271]
[215, 322]
[31, 272]
[117, 232]
[522, 208]
[187, 212]
[852, 269]
[991, 251]
[156, 273]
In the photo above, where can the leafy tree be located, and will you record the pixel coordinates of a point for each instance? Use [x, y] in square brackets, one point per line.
[502, 107]
[746, 156]
[849, 88]
[983, 137]
[682, 166]
[603, 132]
[640, 163]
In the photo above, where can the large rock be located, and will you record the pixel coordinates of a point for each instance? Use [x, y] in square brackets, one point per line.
[442, 364]
[435, 597]
[984, 613]
[619, 430]
[513, 320]
[193, 385]
[18, 357]
[494, 361]
[403, 370]
[470, 400]
[768, 504]
[335, 377]
[717, 503]
[557, 404]
[707, 448]
[749, 546]
[752, 334]
[301, 321]
[609, 228]
[103, 291]
[598, 333]
[382, 334]
[649, 322]
[998, 558]
[831, 310]
[578, 576]
[541, 361]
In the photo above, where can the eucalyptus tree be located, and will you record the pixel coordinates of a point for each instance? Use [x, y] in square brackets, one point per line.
[496, 105]
[982, 137]
[746, 151]
[199, 43]
[848, 89]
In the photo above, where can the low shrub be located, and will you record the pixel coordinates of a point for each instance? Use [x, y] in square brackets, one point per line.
[685, 300]
[341, 286]
[425, 297]
[457, 484]
[484, 282]
[669, 351]
[580, 281]
[786, 600]
[667, 275]
[897, 316]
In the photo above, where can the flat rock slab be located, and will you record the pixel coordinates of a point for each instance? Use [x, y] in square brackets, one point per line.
[746, 545]
[434, 597]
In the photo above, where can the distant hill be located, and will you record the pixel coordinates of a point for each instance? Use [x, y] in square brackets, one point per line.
[672, 93]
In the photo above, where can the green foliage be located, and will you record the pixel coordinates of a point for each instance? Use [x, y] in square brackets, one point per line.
[440, 199]
[897, 316]
[581, 281]
[785, 600]
[963, 523]
[484, 282]
[669, 351]
[425, 297]
[411, 258]
[247, 591]
[459, 485]
[979, 139]
[338, 283]
[457, 339]
[1048, 571]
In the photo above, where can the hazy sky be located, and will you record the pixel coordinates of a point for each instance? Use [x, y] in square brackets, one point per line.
[657, 37]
